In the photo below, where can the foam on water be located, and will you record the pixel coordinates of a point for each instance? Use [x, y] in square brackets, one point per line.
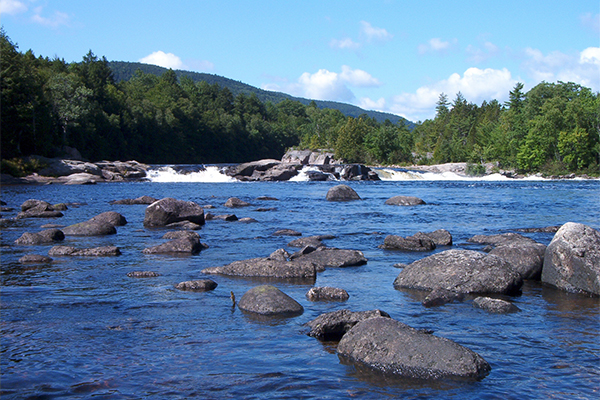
[387, 174]
[303, 175]
[210, 174]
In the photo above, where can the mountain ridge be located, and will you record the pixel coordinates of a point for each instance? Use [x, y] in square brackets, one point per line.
[124, 70]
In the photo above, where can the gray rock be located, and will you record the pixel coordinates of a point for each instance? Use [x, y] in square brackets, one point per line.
[280, 254]
[462, 271]
[201, 285]
[181, 234]
[185, 225]
[247, 220]
[234, 202]
[441, 296]
[325, 257]
[525, 258]
[143, 274]
[90, 228]
[268, 300]
[404, 201]
[266, 268]
[332, 326]
[139, 200]
[297, 157]
[495, 305]
[418, 242]
[45, 236]
[391, 347]
[35, 259]
[499, 240]
[89, 252]
[247, 169]
[280, 172]
[287, 232]
[110, 217]
[326, 293]
[169, 210]
[82, 178]
[440, 237]
[572, 259]
[341, 193]
[38, 209]
[314, 241]
[182, 245]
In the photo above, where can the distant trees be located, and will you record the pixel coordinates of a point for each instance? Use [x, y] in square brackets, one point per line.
[48, 104]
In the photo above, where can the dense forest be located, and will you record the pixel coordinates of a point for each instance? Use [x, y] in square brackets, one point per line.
[48, 104]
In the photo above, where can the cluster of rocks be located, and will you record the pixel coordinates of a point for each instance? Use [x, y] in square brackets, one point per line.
[369, 339]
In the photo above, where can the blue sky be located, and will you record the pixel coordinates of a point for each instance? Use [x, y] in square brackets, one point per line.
[388, 55]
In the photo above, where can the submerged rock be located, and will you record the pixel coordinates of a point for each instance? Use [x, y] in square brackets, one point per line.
[143, 274]
[327, 293]
[270, 301]
[102, 251]
[497, 306]
[572, 259]
[35, 259]
[391, 347]
[332, 326]
[461, 271]
[404, 201]
[234, 202]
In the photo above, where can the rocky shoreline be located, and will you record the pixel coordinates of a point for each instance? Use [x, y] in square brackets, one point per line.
[323, 165]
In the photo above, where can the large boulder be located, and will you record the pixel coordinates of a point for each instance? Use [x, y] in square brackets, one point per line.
[461, 271]
[110, 217]
[266, 268]
[342, 193]
[391, 347]
[270, 301]
[404, 201]
[169, 210]
[572, 259]
[297, 157]
[440, 237]
[45, 236]
[417, 242]
[333, 325]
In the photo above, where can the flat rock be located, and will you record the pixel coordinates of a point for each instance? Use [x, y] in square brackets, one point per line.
[314, 241]
[89, 252]
[234, 202]
[147, 200]
[572, 259]
[404, 201]
[35, 259]
[342, 193]
[333, 325]
[143, 274]
[391, 347]
[183, 245]
[110, 217]
[287, 232]
[499, 240]
[200, 285]
[417, 242]
[270, 301]
[325, 257]
[169, 210]
[45, 236]
[496, 306]
[90, 228]
[326, 293]
[266, 268]
[461, 271]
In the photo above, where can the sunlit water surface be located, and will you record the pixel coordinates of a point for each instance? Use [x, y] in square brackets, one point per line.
[81, 328]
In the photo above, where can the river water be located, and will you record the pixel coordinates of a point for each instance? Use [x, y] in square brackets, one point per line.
[81, 328]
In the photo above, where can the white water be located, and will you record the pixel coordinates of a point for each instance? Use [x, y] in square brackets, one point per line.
[211, 174]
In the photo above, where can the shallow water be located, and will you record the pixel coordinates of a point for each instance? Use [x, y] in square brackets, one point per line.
[81, 328]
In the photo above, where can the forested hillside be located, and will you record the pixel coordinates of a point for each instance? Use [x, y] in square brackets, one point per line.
[48, 104]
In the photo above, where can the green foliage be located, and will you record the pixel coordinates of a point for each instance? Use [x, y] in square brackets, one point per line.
[475, 169]
[19, 167]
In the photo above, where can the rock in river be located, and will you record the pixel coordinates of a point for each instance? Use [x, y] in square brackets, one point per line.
[89, 252]
[200, 285]
[391, 347]
[404, 201]
[45, 236]
[326, 293]
[266, 268]
[461, 271]
[333, 325]
[342, 193]
[268, 300]
[418, 242]
[496, 306]
[169, 210]
[572, 259]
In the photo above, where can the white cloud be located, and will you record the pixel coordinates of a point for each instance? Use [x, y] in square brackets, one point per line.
[346, 43]
[437, 45]
[54, 21]
[327, 85]
[12, 7]
[371, 32]
[581, 68]
[479, 55]
[162, 59]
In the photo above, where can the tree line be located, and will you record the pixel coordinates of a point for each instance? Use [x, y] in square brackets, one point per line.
[48, 104]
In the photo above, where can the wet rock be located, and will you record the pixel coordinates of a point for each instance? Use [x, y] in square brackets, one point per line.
[110, 217]
[404, 201]
[247, 220]
[332, 326]
[90, 228]
[267, 198]
[441, 296]
[169, 210]
[391, 347]
[182, 245]
[358, 172]
[280, 254]
[103, 251]
[417, 242]
[186, 225]
[495, 305]
[248, 169]
[499, 240]
[325, 257]
[314, 241]
[201, 285]
[35, 259]
[45, 236]
[327, 293]
[143, 274]
[279, 172]
[268, 300]
[341, 193]
[38, 209]
[572, 259]
[222, 217]
[546, 229]
[181, 234]
[462, 271]
[287, 232]
[147, 200]
[440, 237]
[234, 202]
[266, 268]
